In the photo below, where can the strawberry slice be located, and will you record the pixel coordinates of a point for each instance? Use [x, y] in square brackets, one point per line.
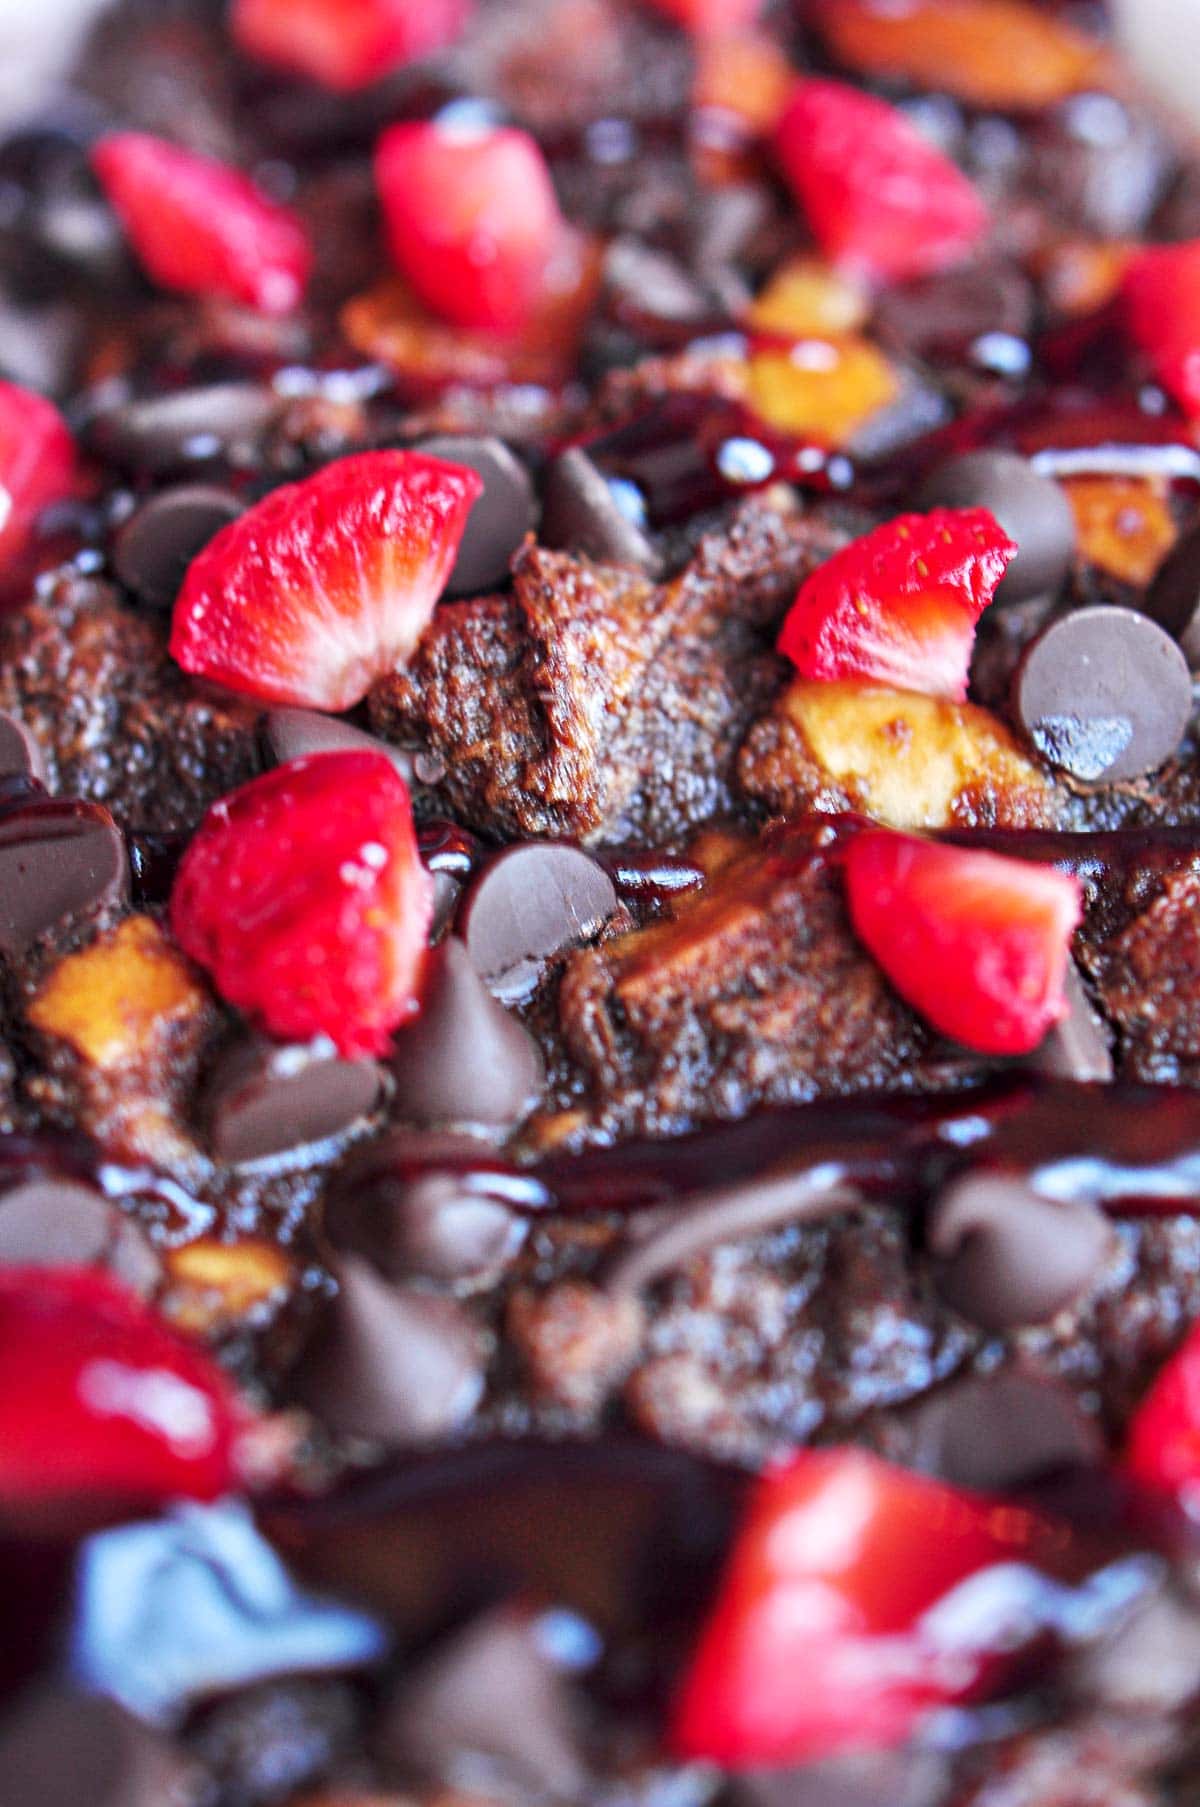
[472, 220]
[328, 584]
[201, 227]
[1163, 1450]
[900, 605]
[710, 18]
[304, 896]
[346, 44]
[822, 1637]
[101, 1404]
[977, 942]
[1161, 294]
[37, 463]
[879, 197]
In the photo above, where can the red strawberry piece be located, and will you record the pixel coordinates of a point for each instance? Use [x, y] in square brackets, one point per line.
[346, 44]
[710, 18]
[879, 197]
[37, 463]
[900, 605]
[325, 585]
[201, 227]
[977, 942]
[472, 221]
[101, 1403]
[819, 1640]
[1161, 290]
[304, 896]
[1164, 1439]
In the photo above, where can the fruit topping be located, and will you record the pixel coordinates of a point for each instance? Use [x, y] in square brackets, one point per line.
[710, 18]
[304, 896]
[977, 942]
[1032, 509]
[1161, 292]
[879, 197]
[472, 221]
[825, 1634]
[821, 390]
[1164, 1438]
[900, 605]
[100, 1403]
[346, 44]
[37, 463]
[327, 584]
[201, 227]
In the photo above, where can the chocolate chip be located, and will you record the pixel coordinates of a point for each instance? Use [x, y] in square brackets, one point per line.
[1080, 1047]
[581, 513]
[1033, 510]
[295, 733]
[490, 1698]
[58, 1746]
[48, 1222]
[1104, 694]
[530, 903]
[1150, 1665]
[1000, 1431]
[57, 860]
[390, 1363]
[948, 314]
[643, 282]
[499, 521]
[1006, 1256]
[723, 222]
[160, 539]
[1173, 599]
[464, 1059]
[20, 755]
[904, 1778]
[169, 432]
[265, 1098]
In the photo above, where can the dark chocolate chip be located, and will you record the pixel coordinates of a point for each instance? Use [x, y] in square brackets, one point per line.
[1033, 510]
[389, 1363]
[169, 432]
[1000, 1431]
[160, 539]
[295, 733]
[265, 1098]
[528, 904]
[20, 755]
[1007, 1256]
[59, 1746]
[57, 861]
[1080, 1047]
[581, 513]
[48, 1222]
[490, 1697]
[464, 1059]
[1104, 694]
[1173, 599]
[499, 521]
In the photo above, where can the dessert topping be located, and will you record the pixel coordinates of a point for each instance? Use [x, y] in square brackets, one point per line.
[1008, 1256]
[533, 901]
[1161, 292]
[1164, 1438]
[1032, 509]
[346, 44]
[37, 463]
[465, 1059]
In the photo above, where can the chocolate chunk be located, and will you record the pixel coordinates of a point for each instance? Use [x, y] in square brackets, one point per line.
[1080, 1047]
[60, 1746]
[530, 903]
[1000, 1431]
[1033, 510]
[489, 1697]
[1104, 693]
[499, 521]
[48, 1222]
[57, 860]
[169, 432]
[582, 513]
[20, 754]
[465, 1059]
[1007, 1256]
[264, 1098]
[160, 539]
[1173, 599]
[295, 733]
[389, 1363]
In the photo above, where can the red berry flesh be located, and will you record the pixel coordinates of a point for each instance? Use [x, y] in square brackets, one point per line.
[37, 463]
[304, 896]
[1164, 1438]
[203, 228]
[710, 18]
[346, 44]
[1161, 292]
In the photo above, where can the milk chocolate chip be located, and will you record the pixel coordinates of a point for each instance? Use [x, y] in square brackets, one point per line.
[581, 514]
[530, 903]
[499, 520]
[51, 1222]
[464, 1059]
[1032, 509]
[57, 860]
[1007, 1256]
[265, 1098]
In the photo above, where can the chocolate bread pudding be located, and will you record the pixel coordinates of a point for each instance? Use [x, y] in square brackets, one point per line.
[600, 910]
